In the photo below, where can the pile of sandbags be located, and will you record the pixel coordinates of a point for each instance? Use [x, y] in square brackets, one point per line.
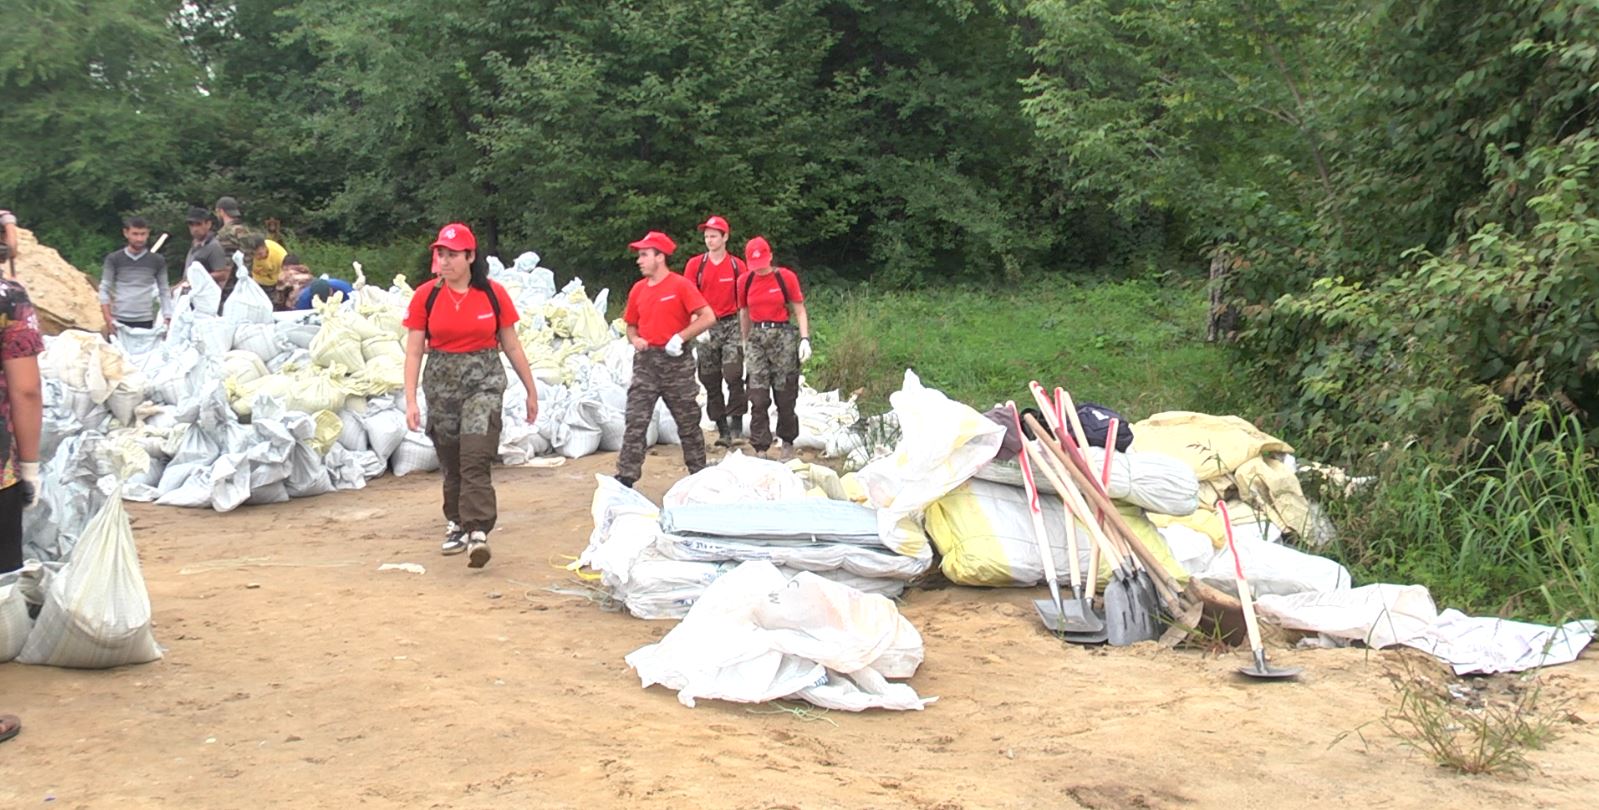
[658, 562]
[246, 405]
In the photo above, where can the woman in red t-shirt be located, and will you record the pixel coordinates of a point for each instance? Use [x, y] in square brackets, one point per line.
[464, 321]
[767, 298]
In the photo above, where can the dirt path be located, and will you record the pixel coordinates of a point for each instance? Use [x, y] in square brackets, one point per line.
[307, 678]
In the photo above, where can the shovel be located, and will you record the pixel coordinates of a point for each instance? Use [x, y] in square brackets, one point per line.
[1260, 670]
[1068, 619]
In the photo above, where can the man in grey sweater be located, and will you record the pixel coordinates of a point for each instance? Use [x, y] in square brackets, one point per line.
[132, 280]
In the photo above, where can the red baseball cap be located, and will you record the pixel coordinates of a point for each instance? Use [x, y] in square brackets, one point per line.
[657, 240]
[717, 223]
[456, 236]
[758, 253]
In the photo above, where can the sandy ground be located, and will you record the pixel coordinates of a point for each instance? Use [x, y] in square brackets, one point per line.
[299, 675]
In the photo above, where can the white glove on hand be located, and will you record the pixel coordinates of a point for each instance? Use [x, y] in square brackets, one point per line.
[805, 349]
[674, 347]
[28, 472]
[703, 337]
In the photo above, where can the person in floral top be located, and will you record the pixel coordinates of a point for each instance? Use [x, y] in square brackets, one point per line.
[21, 414]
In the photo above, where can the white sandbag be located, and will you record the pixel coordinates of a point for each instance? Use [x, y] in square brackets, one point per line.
[857, 561]
[96, 611]
[275, 492]
[224, 485]
[352, 436]
[337, 346]
[612, 415]
[385, 431]
[1274, 569]
[756, 636]
[259, 339]
[344, 468]
[942, 442]
[737, 478]
[665, 426]
[137, 341]
[248, 303]
[415, 454]
[1154, 482]
[212, 335]
[298, 328]
[308, 475]
[14, 621]
[582, 427]
[169, 382]
[243, 367]
[205, 296]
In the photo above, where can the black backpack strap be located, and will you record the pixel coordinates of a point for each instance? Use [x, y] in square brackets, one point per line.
[699, 272]
[749, 279]
[427, 312]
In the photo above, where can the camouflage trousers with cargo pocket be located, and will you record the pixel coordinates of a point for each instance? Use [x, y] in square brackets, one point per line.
[658, 375]
[721, 359]
[771, 365]
[464, 391]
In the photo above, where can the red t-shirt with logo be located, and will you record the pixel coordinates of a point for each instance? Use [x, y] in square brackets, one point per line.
[764, 298]
[460, 322]
[718, 283]
[662, 310]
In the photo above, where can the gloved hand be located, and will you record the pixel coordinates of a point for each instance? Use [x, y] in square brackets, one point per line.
[28, 472]
[674, 347]
[703, 337]
[805, 349]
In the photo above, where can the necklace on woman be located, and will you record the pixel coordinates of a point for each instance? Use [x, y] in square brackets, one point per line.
[457, 298]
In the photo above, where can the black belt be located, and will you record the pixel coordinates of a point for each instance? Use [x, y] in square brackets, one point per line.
[730, 317]
[770, 324]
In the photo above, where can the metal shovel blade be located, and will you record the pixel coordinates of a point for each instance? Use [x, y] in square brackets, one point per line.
[1147, 602]
[1071, 621]
[1265, 671]
[1123, 624]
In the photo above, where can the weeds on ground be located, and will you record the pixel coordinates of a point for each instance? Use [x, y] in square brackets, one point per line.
[1511, 529]
[1465, 729]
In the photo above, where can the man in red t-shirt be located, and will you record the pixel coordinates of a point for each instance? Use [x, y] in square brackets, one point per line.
[664, 311]
[720, 353]
[778, 345]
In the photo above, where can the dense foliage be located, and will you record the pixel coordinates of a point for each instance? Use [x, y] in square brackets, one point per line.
[1403, 189]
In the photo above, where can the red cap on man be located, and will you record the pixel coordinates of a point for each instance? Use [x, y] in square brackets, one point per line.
[456, 236]
[718, 223]
[758, 254]
[657, 240]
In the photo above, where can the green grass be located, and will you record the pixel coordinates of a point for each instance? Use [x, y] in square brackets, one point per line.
[380, 262]
[1513, 530]
[1135, 346]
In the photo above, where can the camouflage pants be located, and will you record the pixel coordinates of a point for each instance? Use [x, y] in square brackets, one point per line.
[773, 367]
[721, 359]
[464, 392]
[658, 375]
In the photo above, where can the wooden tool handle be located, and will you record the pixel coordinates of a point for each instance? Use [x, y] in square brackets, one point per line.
[1077, 467]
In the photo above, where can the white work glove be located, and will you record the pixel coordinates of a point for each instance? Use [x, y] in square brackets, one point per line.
[28, 472]
[703, 337]
[805, 349]
[674, 347]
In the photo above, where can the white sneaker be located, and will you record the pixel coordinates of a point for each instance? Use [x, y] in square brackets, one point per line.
[477, 550]
[454, 539]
